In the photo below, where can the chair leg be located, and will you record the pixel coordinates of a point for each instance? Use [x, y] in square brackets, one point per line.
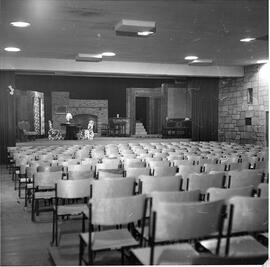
[53, 228]
[19, 192]
[122, 256]
[33, 209]
[81, 250]
[56, 230]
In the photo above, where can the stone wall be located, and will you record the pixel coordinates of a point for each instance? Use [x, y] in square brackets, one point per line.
[234, 106]
[98, 108]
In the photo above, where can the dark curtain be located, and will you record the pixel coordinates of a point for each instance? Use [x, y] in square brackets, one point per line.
[204, 108]
[7, 114]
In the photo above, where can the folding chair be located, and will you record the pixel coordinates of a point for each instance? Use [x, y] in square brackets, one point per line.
[175, 222]
[43, 189]
[245, 215]
[65, 192]
[111, 212]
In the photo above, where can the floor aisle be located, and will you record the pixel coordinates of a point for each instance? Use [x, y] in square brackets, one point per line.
[26, 243]
[22, 241]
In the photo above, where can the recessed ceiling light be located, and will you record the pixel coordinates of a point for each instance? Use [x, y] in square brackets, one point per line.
[262, 61]
[108, 54]
[20, 24]
[145, 33]
[191, 58]
[248, 39]
[12, 49]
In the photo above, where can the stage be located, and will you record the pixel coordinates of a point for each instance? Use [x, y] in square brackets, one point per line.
[101, 140]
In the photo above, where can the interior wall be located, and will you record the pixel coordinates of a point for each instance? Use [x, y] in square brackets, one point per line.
[235, 107]
[7, 114]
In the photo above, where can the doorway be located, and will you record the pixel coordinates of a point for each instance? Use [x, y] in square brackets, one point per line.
[142, 111]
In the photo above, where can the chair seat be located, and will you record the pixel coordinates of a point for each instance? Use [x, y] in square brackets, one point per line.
[29, 186]
[110, 239]
[73, 209]
[176, 254]
[44, 195]
[239, 246]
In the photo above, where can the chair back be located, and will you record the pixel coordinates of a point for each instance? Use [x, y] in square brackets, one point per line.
[80, 167]
[185, 221]
[244, 178]
[77, 175]
[149, 184]
[263, 190]
[110, 188]
[174, 196]
[164, 171]
[214, 167]
[49, 168]
[110, 173]
[136, 172]
[204, 181]
[249, 214]
[119, 210]
[46, 179]
[71, 189]
[214, 193]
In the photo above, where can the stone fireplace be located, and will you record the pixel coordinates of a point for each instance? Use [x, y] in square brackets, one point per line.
[61, 104]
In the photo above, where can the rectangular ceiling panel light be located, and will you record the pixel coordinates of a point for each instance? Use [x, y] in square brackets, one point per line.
[201, 62]
[88, 57]
[127, 27]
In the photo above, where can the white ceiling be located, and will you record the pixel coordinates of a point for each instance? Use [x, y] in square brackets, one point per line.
[207, 28]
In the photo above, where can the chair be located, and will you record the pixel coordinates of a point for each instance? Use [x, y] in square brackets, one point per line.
[69, 190]
[245, 215]
[111, 212]
[243, 178]
[164, 171]
[214, 193]
[43, 189]
[175, 222]
[262, 190]
[24, 127]
[54, 134]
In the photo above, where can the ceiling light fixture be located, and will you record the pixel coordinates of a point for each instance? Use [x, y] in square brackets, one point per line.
[108, 54]
[262, 61]
[12, 49]
[145, 33]
[135, 28]
[191, 58]
[20, 24]
[89, 57]
[248, 39]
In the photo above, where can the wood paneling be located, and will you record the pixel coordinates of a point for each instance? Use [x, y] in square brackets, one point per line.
[7, 114]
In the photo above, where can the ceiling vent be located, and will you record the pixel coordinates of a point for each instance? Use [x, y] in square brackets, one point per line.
[89, 57]
[135, 28]
[201, 62]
